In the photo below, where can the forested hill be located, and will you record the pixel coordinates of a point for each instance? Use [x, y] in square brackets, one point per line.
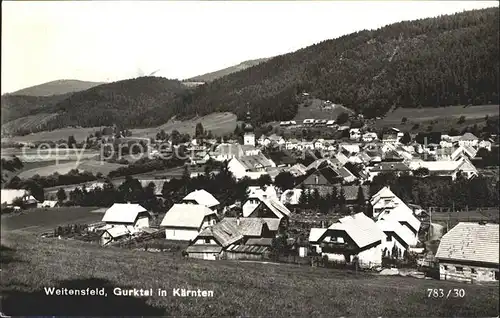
[139, 102]
[447, 60]
[208, 77]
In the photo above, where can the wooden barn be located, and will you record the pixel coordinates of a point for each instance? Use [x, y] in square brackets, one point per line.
[469, 253]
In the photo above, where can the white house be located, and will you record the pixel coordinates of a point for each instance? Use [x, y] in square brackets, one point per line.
[201, 197]
[115, 233]
[291, 196]
[127, 214]
[469, 252]
[8, 197]
[183, 222]
[447, 168]
[351, 236]
[354, 134]
[485, 143]
[403, 215]
[369, 137]
[255, 197]
[398, 238]
[468, 139]
[250, 166]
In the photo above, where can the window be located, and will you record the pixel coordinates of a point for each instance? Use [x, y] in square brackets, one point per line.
[340, 239]
[496, 275]
[445, 267]
[389, 238]
[459, 269]
[207, 241]
[473, 270]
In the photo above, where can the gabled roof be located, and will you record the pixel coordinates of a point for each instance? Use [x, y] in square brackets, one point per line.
[401, 231]
[228, 231]
[186, 215]
[385, 192]
[118, 231]
[254, 162]
[468, 136]
[401, 213]
[315, 234]
[360, 228]
[276, 207]
[470, 242]
[202, 197]
[123, 212]
[390, 166]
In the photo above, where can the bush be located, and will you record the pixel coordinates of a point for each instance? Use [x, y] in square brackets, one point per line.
[416, 126]
[461, 120]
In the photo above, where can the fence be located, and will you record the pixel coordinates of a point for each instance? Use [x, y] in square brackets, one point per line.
[134, 241]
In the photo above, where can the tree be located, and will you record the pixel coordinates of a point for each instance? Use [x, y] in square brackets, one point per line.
[284, 180]
[404, 120]
[61, 195]
[315, 198]
[341, 198]
[461, 120]
[71, 141]
[406, 139]
[199, 131]
[303, 198]
[360, 199]
[342, 118]
[264, 180]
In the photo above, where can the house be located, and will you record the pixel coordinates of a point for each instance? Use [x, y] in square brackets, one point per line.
[354, 134]
[48, 204]
[202, 197]
[226, 151]
[351, 236]
[402, 214]
[233, 238]
[397, 168]
[250, 166]
[115, 233]
[282, 158]
[486, 144]
[291, 144]
[127, 214]
[369, 137]
[297, 170]
[272, 208]
[324, 175]
[183, 222]
[10, 196]
[349, 149]
[330, 123]
[308, 122]
[469, 253]
[398, 238]
[255, 197]
[447, 168]
[318, 143]
[468, 139]
[291, 196]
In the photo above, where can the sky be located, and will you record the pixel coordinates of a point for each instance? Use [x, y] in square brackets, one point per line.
[108, 41]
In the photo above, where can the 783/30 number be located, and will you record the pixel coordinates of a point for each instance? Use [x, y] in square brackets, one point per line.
[445, 293]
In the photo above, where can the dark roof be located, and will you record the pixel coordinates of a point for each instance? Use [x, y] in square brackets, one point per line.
[282, 157]
[264, 241]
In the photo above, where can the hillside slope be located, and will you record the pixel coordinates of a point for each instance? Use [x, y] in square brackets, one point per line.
[17, 106]
[208, 77]
[57, 88]
[448, 60]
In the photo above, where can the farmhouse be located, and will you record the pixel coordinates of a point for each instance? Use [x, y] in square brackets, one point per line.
[48, 204]
[469, 252]
[201, 197]
[10, 196]
[404, 215]
[255, 196]
[233, 238]
[127, 214]
[351, 236]
[183, 222]
[273, 211]
[468, 139]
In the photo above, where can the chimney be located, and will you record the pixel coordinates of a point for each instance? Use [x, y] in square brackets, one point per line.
[238, 220]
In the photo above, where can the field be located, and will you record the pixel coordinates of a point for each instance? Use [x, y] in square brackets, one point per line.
[31, 122]
[444, 118]
[44, 219]
[240, 288]
[93, 166]
[218, 123]
[315, 111]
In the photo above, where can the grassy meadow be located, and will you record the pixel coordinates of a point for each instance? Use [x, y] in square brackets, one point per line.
[30, 263]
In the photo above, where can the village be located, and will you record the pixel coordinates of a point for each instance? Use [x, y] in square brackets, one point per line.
[348, 222]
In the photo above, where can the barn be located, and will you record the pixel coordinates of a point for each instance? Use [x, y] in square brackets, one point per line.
[469, 253]
[114, 234]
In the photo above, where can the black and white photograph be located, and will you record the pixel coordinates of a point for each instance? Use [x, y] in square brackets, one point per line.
[250, 158]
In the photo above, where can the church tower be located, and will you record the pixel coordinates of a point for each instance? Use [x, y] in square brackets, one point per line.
[249, 136]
